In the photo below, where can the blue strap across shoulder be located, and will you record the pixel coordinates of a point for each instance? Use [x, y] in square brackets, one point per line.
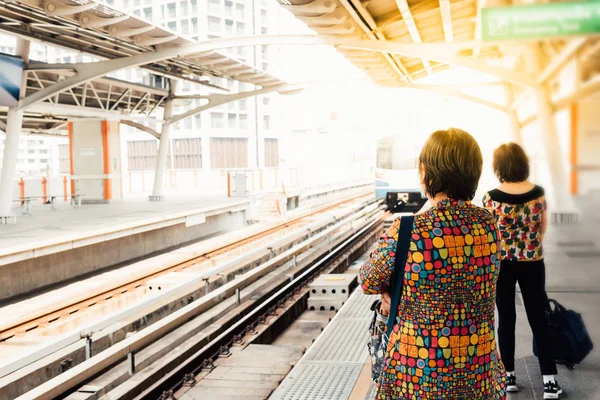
[406, 223]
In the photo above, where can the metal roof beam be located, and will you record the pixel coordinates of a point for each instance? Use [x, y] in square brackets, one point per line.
[91, 21]
[412, 29]
[369, 27]
[141, 127]
[443, 53]
[446, 20]
[53, 9]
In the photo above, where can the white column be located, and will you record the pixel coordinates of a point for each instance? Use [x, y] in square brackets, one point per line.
[9, 162]
[11, 145]
[560, 199]
[163, 148]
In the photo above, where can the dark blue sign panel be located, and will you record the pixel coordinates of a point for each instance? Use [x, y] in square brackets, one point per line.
[11, 73]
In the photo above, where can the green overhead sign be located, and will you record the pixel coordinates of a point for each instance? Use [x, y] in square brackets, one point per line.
[540, 21]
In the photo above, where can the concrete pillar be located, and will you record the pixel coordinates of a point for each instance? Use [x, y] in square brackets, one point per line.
[163, 148]
[560, 200]
[11, 145]
[95, 147]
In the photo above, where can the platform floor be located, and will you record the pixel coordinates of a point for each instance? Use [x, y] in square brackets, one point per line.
[337, 365]
[45, 223]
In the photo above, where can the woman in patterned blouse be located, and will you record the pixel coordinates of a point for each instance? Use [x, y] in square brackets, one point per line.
[443, 344]
[520, 208]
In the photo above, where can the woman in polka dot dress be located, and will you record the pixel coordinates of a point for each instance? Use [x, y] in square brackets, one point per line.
[443, 344]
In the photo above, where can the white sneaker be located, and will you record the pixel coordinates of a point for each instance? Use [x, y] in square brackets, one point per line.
[552, 390]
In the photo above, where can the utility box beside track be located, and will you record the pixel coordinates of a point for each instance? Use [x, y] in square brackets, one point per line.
[330, 291]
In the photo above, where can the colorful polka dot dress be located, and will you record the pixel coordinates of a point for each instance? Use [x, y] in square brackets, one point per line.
[443, 344]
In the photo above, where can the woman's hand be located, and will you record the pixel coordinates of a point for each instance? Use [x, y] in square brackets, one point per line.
[385, 304]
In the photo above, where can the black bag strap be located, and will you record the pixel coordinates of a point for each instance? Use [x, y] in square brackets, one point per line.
[406, 224]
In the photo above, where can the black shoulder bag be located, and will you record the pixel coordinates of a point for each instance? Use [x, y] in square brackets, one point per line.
[381, 327]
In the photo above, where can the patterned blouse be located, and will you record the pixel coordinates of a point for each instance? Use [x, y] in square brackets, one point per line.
[443, 344]
[519, 221]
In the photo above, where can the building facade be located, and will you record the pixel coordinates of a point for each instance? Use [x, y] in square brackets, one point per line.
[241, 134]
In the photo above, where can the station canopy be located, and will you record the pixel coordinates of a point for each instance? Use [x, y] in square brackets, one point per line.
[105, 32]
[452, 23]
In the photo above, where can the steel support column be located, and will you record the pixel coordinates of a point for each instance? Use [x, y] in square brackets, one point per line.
[515, 126]
[163, 148]
[562, 202]
[11, 145]
[9, 163]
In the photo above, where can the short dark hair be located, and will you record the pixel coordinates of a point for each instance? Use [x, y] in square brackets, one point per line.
[451, 162]
[511, 163]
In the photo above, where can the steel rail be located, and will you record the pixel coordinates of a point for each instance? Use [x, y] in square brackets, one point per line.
[173, 294]
[174, 378]
[89, 368]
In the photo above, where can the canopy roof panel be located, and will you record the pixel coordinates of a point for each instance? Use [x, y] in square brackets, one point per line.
[411, 21]
[104, 31]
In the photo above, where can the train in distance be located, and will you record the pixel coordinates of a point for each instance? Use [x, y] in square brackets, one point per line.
[397, 174]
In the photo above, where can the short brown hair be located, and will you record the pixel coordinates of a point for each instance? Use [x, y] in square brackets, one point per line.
[511, 163]
[451, 162]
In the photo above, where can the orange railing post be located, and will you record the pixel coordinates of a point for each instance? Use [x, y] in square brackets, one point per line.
[65, 187]
[22, 189]
[228, 184]
[44, 189]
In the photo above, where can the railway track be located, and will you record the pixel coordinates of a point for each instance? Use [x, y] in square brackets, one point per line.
[98, 345]
[217, 317]
[14, 328]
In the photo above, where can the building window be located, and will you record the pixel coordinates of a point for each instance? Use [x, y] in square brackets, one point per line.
[44, 160]
[214, 6]
[30, 151]
[263, 30]
[171, 10]
[266, 101]
[243, 121]
[194, 26]
[64, 165]
[241, 51]
[231, 118]
[183, 6]
[194, 6]
[148, 13]
[265, 66]
[185, 27]
[263, 17]
[187, 123]
[266, 122]
[241, 28]
[229, 27]
[172, 26]
[198, 120]
[141, 155]
[217, 120]
[271, 153]
[228, 8]
[243, 104]
[187, 153]
[229, 153]
[136, 3]
[214, 24]
[239, 11]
